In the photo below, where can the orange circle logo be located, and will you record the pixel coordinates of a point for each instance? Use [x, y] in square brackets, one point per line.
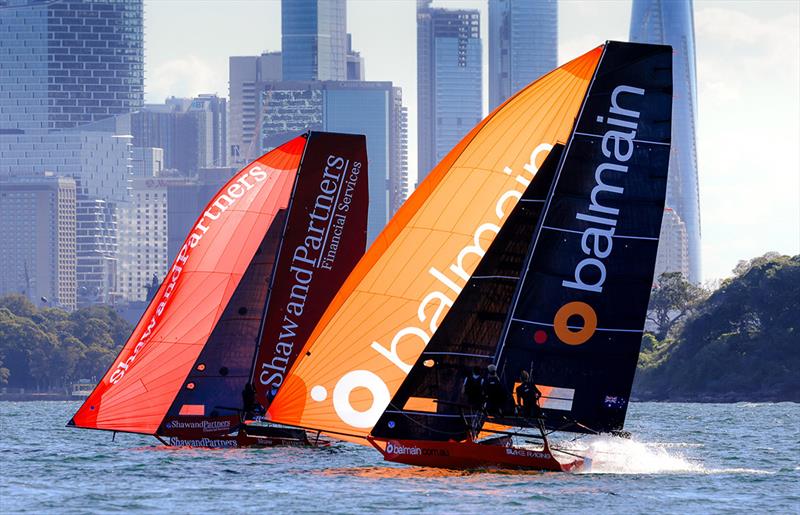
[567, 335]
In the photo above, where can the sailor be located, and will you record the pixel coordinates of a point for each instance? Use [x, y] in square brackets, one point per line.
[528, 397]
[472, 389]
[496, 394]
[249, 405]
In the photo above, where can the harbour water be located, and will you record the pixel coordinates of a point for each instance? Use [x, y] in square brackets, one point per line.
[681, 458]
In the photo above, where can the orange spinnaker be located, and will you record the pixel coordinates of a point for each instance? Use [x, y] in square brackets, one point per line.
[405, 283]
[140, 386]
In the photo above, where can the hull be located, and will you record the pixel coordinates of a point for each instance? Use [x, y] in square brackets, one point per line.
[472, 455]
[252, 436]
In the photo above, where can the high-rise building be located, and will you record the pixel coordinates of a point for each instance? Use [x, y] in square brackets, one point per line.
[370, 108]
[147, 161]
[449, 80]
[67, 63]
[100, 160]
[211, 114]
[191, 132]
[355, 63]
[523, 45]
[673, 245]
[672, 23]
[38, 235]
[95, 250]
[314, 39]
[143, 237]
[246, 74]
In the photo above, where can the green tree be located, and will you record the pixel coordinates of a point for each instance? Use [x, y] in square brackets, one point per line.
[672, 298]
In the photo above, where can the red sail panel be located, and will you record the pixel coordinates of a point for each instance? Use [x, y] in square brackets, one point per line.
[325, 237]
[138, 389]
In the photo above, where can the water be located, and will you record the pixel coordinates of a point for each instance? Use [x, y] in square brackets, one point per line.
[681, 458]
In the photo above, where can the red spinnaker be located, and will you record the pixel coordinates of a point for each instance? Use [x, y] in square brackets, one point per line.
[138, 389]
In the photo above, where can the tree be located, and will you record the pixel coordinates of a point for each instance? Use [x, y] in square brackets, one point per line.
[672, 298]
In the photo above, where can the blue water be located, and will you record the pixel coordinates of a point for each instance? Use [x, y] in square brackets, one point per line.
[681, 458]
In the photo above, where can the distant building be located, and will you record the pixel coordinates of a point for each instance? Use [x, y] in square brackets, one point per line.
[96, 250]
[147, 161]
[523, 45]
[449, 80]
[143, 237]
[355, 63]
[673, 245]
[212, 120]
[371, 108]
[100, 160]
[191, 132]
[672, 23]
[246, 74]
[186, 199]
[314, 39]
[38, 235]
[68, 63]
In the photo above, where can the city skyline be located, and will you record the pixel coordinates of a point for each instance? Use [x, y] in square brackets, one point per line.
[760, 37]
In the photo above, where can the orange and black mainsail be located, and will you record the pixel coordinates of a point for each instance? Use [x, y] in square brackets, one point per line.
[562, 292]
[182, 371]
[399, 293]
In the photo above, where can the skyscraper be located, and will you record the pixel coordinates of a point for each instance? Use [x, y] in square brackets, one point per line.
[192, 132]
[370, 108]
[449, 80]
[38, 235]
[246, 74]
[672, 23]
[64, 64]
[314, 39]
[523, 44]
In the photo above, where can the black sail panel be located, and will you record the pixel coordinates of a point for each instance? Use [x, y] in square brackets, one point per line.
[211, 407]
[577, 321]
[429, 404]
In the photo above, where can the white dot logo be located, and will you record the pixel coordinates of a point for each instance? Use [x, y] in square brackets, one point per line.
[319, 393]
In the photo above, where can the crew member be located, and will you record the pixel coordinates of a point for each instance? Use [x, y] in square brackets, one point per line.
[472, 389]
[250, 406]
[528, 397]
[495, 392]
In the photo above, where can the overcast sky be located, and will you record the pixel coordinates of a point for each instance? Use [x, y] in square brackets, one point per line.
[748, 64]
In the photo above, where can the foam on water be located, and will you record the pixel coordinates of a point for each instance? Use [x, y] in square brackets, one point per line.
[620, 456]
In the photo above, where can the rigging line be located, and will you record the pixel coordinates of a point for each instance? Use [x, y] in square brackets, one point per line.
[546, 210]
[635, 141]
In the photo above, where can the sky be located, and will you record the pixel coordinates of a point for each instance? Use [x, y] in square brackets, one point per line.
[748, 82]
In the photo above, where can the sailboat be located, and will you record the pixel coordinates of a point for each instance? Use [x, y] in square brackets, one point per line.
[531, 246]
[255, 274]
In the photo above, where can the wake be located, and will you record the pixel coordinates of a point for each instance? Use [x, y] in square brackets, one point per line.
[611, 455]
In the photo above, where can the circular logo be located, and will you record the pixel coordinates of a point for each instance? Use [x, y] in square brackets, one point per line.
[577, 309]
[360, 379]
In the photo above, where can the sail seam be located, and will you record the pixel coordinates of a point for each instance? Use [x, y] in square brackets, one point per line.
[560, 229]
[578, 328]
[648, 142]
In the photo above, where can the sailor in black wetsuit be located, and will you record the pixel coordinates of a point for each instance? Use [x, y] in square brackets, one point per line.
[472, 389]
[249, 405]
[496, 394]
[528, 397]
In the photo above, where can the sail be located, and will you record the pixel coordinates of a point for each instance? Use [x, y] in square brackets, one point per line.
[430, 404]
[578, 317]
[326, 235]
[210, 402]
[398, 294]
[327, 212]
[138, 389]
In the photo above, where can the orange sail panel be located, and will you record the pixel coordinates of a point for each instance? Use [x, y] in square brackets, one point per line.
[138, 389]
[386, 311]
